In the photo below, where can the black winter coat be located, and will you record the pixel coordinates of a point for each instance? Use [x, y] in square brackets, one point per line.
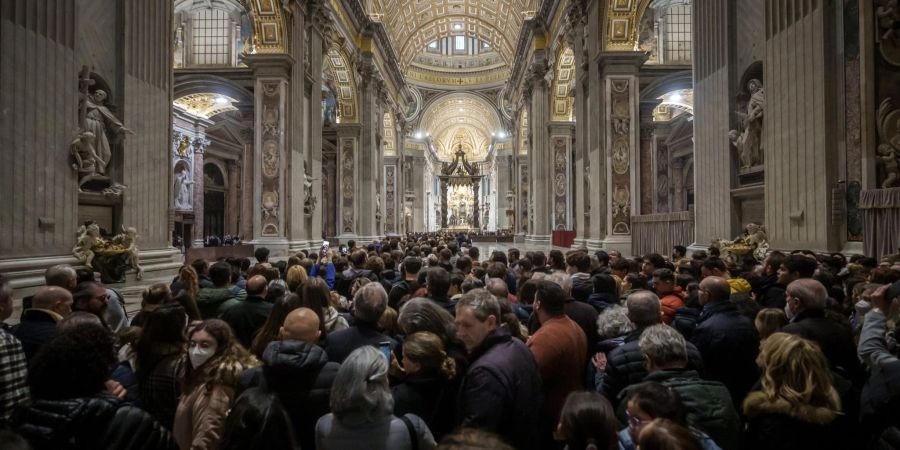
[99, 422]
[501, 392]
[340, 344]
[300, 375]
[835, 340]
[601, 300]
[625, 366]
[343, 283]
[729, 343]
[36, 328]
[431, 397]
[770, 293]
[247, 317]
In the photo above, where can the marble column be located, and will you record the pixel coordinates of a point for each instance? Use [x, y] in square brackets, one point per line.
[561, 136]
[248, 170]
[594, 92]
[677, 181]
[297, 131]
[540, 153]
[199, 145]
[577, 20]
[232, 213]
[319, 30]
[347, 172]
[370, 87]
[476, 216]
[620, 77]
[270, 165]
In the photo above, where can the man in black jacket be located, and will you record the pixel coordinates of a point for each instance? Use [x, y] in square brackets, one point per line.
[369, 304]
[769, 293]
[344, 283]
[250, 314]
[38, 325]
[410, 269]
[298, 372]
[501, 391]
[438, 282]
[727, 340]
[625, 364]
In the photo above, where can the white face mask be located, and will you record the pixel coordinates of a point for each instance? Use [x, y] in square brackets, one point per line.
[199, 355]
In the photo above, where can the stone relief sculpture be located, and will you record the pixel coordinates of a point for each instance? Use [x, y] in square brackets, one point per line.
[309, 202]
[378, 206]
[84, 153]
[127, 239]
[748, 140]
[110, 257]
[88, 238]
[183, 190]
[270, 205]
[888, 151]
[887, 14]
[753, 240]
[105, 127]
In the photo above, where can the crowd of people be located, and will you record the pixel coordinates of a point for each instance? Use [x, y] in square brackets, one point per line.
[423, 342]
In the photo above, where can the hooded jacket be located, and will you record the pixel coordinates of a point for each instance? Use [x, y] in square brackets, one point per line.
[775, 424]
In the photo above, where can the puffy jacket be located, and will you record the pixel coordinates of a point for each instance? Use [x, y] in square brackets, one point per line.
[770, 294]
[582, 286]
[431, 397]
[99, 422]
[300, 375]
[501, 392]
[835, 340]
[601, 300]
[670, 304]
[212, 302]
[707, 403]
[625, 366]
[776, 425]
[729, 344]
[686, 321]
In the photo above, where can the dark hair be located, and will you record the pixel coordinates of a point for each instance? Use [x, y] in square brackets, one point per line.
[620, 265]
[636, 280]
[412, 264]
[84, 274]
[802, 265]
[464, 263]
[665, 275]
[499, 256]
[162, 335]
[200, 265]
[775, 260]
[713, 263]
[588, 418]
[557, 260]
[658, 401]
[220, 273]
[258, 420]
[602, 257]
[538, 258]
[269, 330]
[316, 296]
[682, 250]
[664, 434]
[551, 296]
[527, 291]
[358, 259]
[457, 278]
[579, 260]
[10, 440]
[84, 290]
[514, 252]
[496, 270]
[605, 284]
[74, 364]
[261, 254]
[474, 253]
[656, 259]
[438, 281]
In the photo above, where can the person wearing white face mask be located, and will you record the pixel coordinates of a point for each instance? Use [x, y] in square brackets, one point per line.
[214, 363]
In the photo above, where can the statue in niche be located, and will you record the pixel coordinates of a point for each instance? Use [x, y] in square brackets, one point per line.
[84, 153]
[309, 202]
[888, 152]
[105, 127]
[183, 189]
[378, 206]
[748, 140]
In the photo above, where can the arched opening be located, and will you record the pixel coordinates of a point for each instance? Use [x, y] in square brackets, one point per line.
[214, 190]
[211, 34]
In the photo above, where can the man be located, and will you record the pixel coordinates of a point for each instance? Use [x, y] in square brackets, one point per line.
[214, 301]
[474, 254]
[456, 281]
[90, 297]
[512, 256]
[369, 304]
[298, 372]
[770, 293]
[13, 365]
[464, 265]
[261, 254]
[408, 284]
[652, 262]
[625, 364]
[62, 275]
[357, 269]
[437, 281]
[581, 312]
[793, 268]
[249, 315]
[727, 340]
[668, 293]
[501, 391]
[805, 308]
[560, 350]
[614, 255]
[38, 326]
[539, 259]
[715, 267]
[707, 403]
[679, 253]
[578, 266]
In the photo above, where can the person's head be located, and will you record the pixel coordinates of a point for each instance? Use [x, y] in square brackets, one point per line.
[804, 294]
[220, 274]
[513, 255]
[613, 322]
[211, 343]
[6, 298]
[663, 348]
[663, 281]
[411, 266]
[561, 279]
[651, 262]
[421, 314]
[549, 301]
[664, 434]
[472, 439]
[155, 295]
[769, 321]
[605, 284]
[161, 334]
[588, 419]
[773, 262]
[464, 264]
[91, 297]
[713, 290]
[271, 328]
[497, 287]
[369, 303]
[257, 286]
[423, 352]
[474, 253]
[75, 363]
[794, 267]
[652, 400]
[53, 298]
[76, 319]
[438, 282]
[61, 275]
[539, 259]
[302, 324]
[258, 420]
[619, 266]
[261, 254]
[635, 280]
[578, 261]
[296, 277]
[644, 309]
[351, 244]
[794, 371]
[678, 252]
[456, 280]
[358, 259]
[713, 267]
[477, 316]
[360, 390]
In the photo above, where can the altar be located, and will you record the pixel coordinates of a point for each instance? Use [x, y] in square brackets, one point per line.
[460, 182]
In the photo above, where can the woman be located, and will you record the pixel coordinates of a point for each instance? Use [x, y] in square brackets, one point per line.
[769, 321]
[422, 314]
[296, 277]
[269, 330]
[428, 389]
[72, 404]
[362, 410]
[316, 296]
[258, 421]
[215, 361]
[797, 405]
[652, 400]
[665, 434]
[159, 357]
[612, 326]
[587, 421]
[152, 297]
[185, 289]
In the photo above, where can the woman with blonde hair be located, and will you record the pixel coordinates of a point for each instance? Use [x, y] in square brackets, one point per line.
[296, 277]
[797, 406]
[770, 320]
[428, 389]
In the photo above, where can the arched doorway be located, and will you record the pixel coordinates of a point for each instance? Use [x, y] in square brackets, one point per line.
[214, 191]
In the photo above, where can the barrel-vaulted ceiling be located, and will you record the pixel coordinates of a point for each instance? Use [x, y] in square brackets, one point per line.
[461, 119]
[413, 24]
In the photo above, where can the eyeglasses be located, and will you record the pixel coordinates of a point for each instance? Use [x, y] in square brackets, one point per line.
[634, 422]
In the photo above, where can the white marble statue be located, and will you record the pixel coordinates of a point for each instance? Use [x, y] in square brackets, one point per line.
[309, 201]
[748, 141]
[128, 240]
[88, 238]
[183, 190]
[84, 153]
[104, 125]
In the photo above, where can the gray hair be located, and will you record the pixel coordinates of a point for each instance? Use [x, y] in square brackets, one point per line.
[482, 303]
[370, 302]
[422, 314]
[361, 386]
[811, 293]
[664, 346]
[60, 275]
[643, 308]
[614, 322]
[563, 279]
